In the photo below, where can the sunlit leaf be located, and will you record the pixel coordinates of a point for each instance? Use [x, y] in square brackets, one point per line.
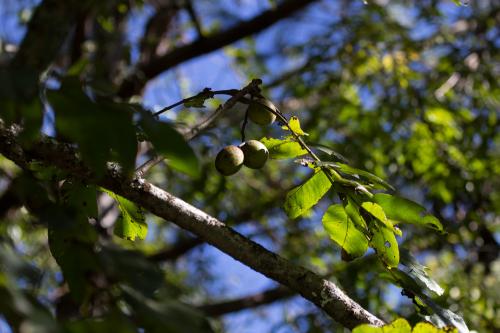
[377, 212]
[300, 199]
[294, 124]
[400, 325]
[343, 231]
[429, 328]
[385, 244]
[406, 211]
[198, 101]
[131, 224]
[353, 212]
[281, 149]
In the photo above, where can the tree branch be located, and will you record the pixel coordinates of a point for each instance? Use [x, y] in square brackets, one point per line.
[147, 70]
[247, 302]
[156, 27]
[325, 294]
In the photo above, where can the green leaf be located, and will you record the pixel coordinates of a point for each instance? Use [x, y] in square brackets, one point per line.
[377, 212]
[80, 197]
[400, 325]
[301, 198]
[419, 274]
[333, 155]
[344, 168]
[282, 149]
[131, 224]
[343, 231]
[352, 211]
[198, 101]
[114, 322]
[405, 281]
[170, 143]
[404, 210]
[164, 315]
[385, 244]
[71, 242]
[429, 328]
[444, 317]
[132, 268]
[103, 131]
[294, 124]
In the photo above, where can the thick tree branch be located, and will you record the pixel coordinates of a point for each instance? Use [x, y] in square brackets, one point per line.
[147, 70]
[325, 294]
[247, 302]
[156, 28]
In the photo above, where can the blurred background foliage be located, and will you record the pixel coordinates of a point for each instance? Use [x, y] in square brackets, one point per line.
[407, 90]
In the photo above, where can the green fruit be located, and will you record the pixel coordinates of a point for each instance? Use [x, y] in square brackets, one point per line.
[256, 154]
[259, 113]
[229, 160]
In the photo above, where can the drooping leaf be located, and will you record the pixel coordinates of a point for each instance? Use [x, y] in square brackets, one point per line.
[353, 212]
[131, 268]
[418, 273]
[170, 143]
[344, 168]
[333, 155]
[406, 211]
[343, 231]
[403, 280]
[131, 224]
[282, 149]
[103, 131]
[165, 315]
[385, 244]
[301, 198]
[71, 242]
[377, 212]
[294, 124]
[444, 317]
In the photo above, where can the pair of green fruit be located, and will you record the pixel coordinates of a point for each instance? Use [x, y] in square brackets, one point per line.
[252, 153]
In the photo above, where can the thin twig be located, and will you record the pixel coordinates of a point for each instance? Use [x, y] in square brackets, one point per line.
[208, 94]
[191, 133]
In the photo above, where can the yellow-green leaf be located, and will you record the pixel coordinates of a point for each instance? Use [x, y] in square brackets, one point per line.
[301, 198]
[343, 231]
[385, 243]
[404, 210]
[131, 224]
[294, 125]
[281, 149]
[377, 212]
